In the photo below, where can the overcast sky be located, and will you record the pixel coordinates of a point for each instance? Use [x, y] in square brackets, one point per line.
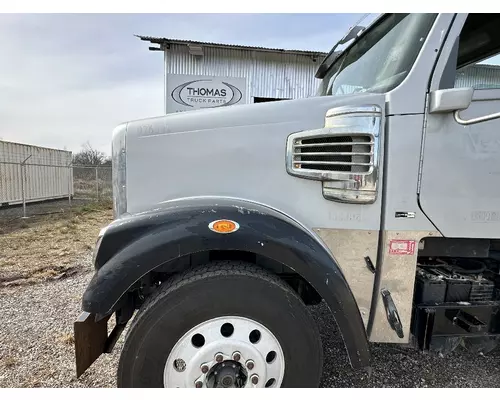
[66, 78]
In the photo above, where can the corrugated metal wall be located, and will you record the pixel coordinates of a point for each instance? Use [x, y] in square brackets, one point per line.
[272, 75]
[479, 77]
[47, 174]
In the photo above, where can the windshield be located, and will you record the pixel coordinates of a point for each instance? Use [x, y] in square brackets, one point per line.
[381, 59]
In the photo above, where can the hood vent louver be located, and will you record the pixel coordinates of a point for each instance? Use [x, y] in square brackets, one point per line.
[344, 155]
[334, 153]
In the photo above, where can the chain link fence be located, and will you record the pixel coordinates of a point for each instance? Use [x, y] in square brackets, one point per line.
[92, 183]
[32, 189]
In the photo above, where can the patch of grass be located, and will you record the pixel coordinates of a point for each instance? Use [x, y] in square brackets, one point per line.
[94, 206]
[10, 361]
[89, 208]
[23, 224]
[67, 339]
[70, 226]
[49, 249]
[44, 273]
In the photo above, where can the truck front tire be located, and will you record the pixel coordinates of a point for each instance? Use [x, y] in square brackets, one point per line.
[226, 324]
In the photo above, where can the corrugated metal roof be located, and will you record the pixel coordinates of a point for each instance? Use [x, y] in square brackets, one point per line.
[167, 41]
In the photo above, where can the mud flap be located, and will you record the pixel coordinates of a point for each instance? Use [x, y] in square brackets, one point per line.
[90, 340]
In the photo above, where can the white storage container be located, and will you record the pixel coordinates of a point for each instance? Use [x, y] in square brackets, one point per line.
[47, 173]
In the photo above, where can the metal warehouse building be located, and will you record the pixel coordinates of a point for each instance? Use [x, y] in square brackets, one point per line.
[200, 74]
[479, 76]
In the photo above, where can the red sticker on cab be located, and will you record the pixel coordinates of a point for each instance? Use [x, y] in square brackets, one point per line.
[402, 247]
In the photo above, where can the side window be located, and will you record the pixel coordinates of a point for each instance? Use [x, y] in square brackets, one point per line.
[478, 61]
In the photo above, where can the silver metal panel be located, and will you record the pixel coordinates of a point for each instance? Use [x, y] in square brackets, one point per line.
[397, 274]
[403, 221]
[402, 160]
[10, 183]
[273, 75]
[461, 165]
[18, 152]
[46, 174]
[350, 247]
[238, 151]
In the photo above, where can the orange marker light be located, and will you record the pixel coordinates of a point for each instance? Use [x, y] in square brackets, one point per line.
[224, 226]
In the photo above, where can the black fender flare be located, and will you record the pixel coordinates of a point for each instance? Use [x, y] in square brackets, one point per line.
[133, 246]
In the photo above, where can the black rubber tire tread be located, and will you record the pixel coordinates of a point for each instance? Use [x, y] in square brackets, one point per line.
[213, 270]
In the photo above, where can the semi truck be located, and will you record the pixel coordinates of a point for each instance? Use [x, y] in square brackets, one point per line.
[379, 197]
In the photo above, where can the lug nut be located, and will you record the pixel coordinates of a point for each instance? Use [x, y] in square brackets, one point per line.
[199, 384]
[250, 364]
[204, 369]
[236, 356]
[219, 358]
[255, 379]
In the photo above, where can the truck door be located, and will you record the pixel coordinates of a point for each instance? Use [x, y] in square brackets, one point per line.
[459, 188]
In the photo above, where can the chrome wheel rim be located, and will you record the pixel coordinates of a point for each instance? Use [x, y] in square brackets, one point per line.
[226, 352]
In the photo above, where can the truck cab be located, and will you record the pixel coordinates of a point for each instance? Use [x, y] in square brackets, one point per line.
[372, 197]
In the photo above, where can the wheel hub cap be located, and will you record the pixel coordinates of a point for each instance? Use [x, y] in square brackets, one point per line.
[227, 374]
[226, 352]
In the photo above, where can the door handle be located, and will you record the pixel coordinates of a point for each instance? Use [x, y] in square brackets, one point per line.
[474, 120]
[392, 313]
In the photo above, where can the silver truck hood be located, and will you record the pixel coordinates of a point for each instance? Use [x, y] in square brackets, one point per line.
[307, 113]
[235, 151]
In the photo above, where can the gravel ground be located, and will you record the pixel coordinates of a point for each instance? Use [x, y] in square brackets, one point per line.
[36, 348]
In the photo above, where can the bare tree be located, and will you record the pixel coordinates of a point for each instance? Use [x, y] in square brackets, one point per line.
[89, 156]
